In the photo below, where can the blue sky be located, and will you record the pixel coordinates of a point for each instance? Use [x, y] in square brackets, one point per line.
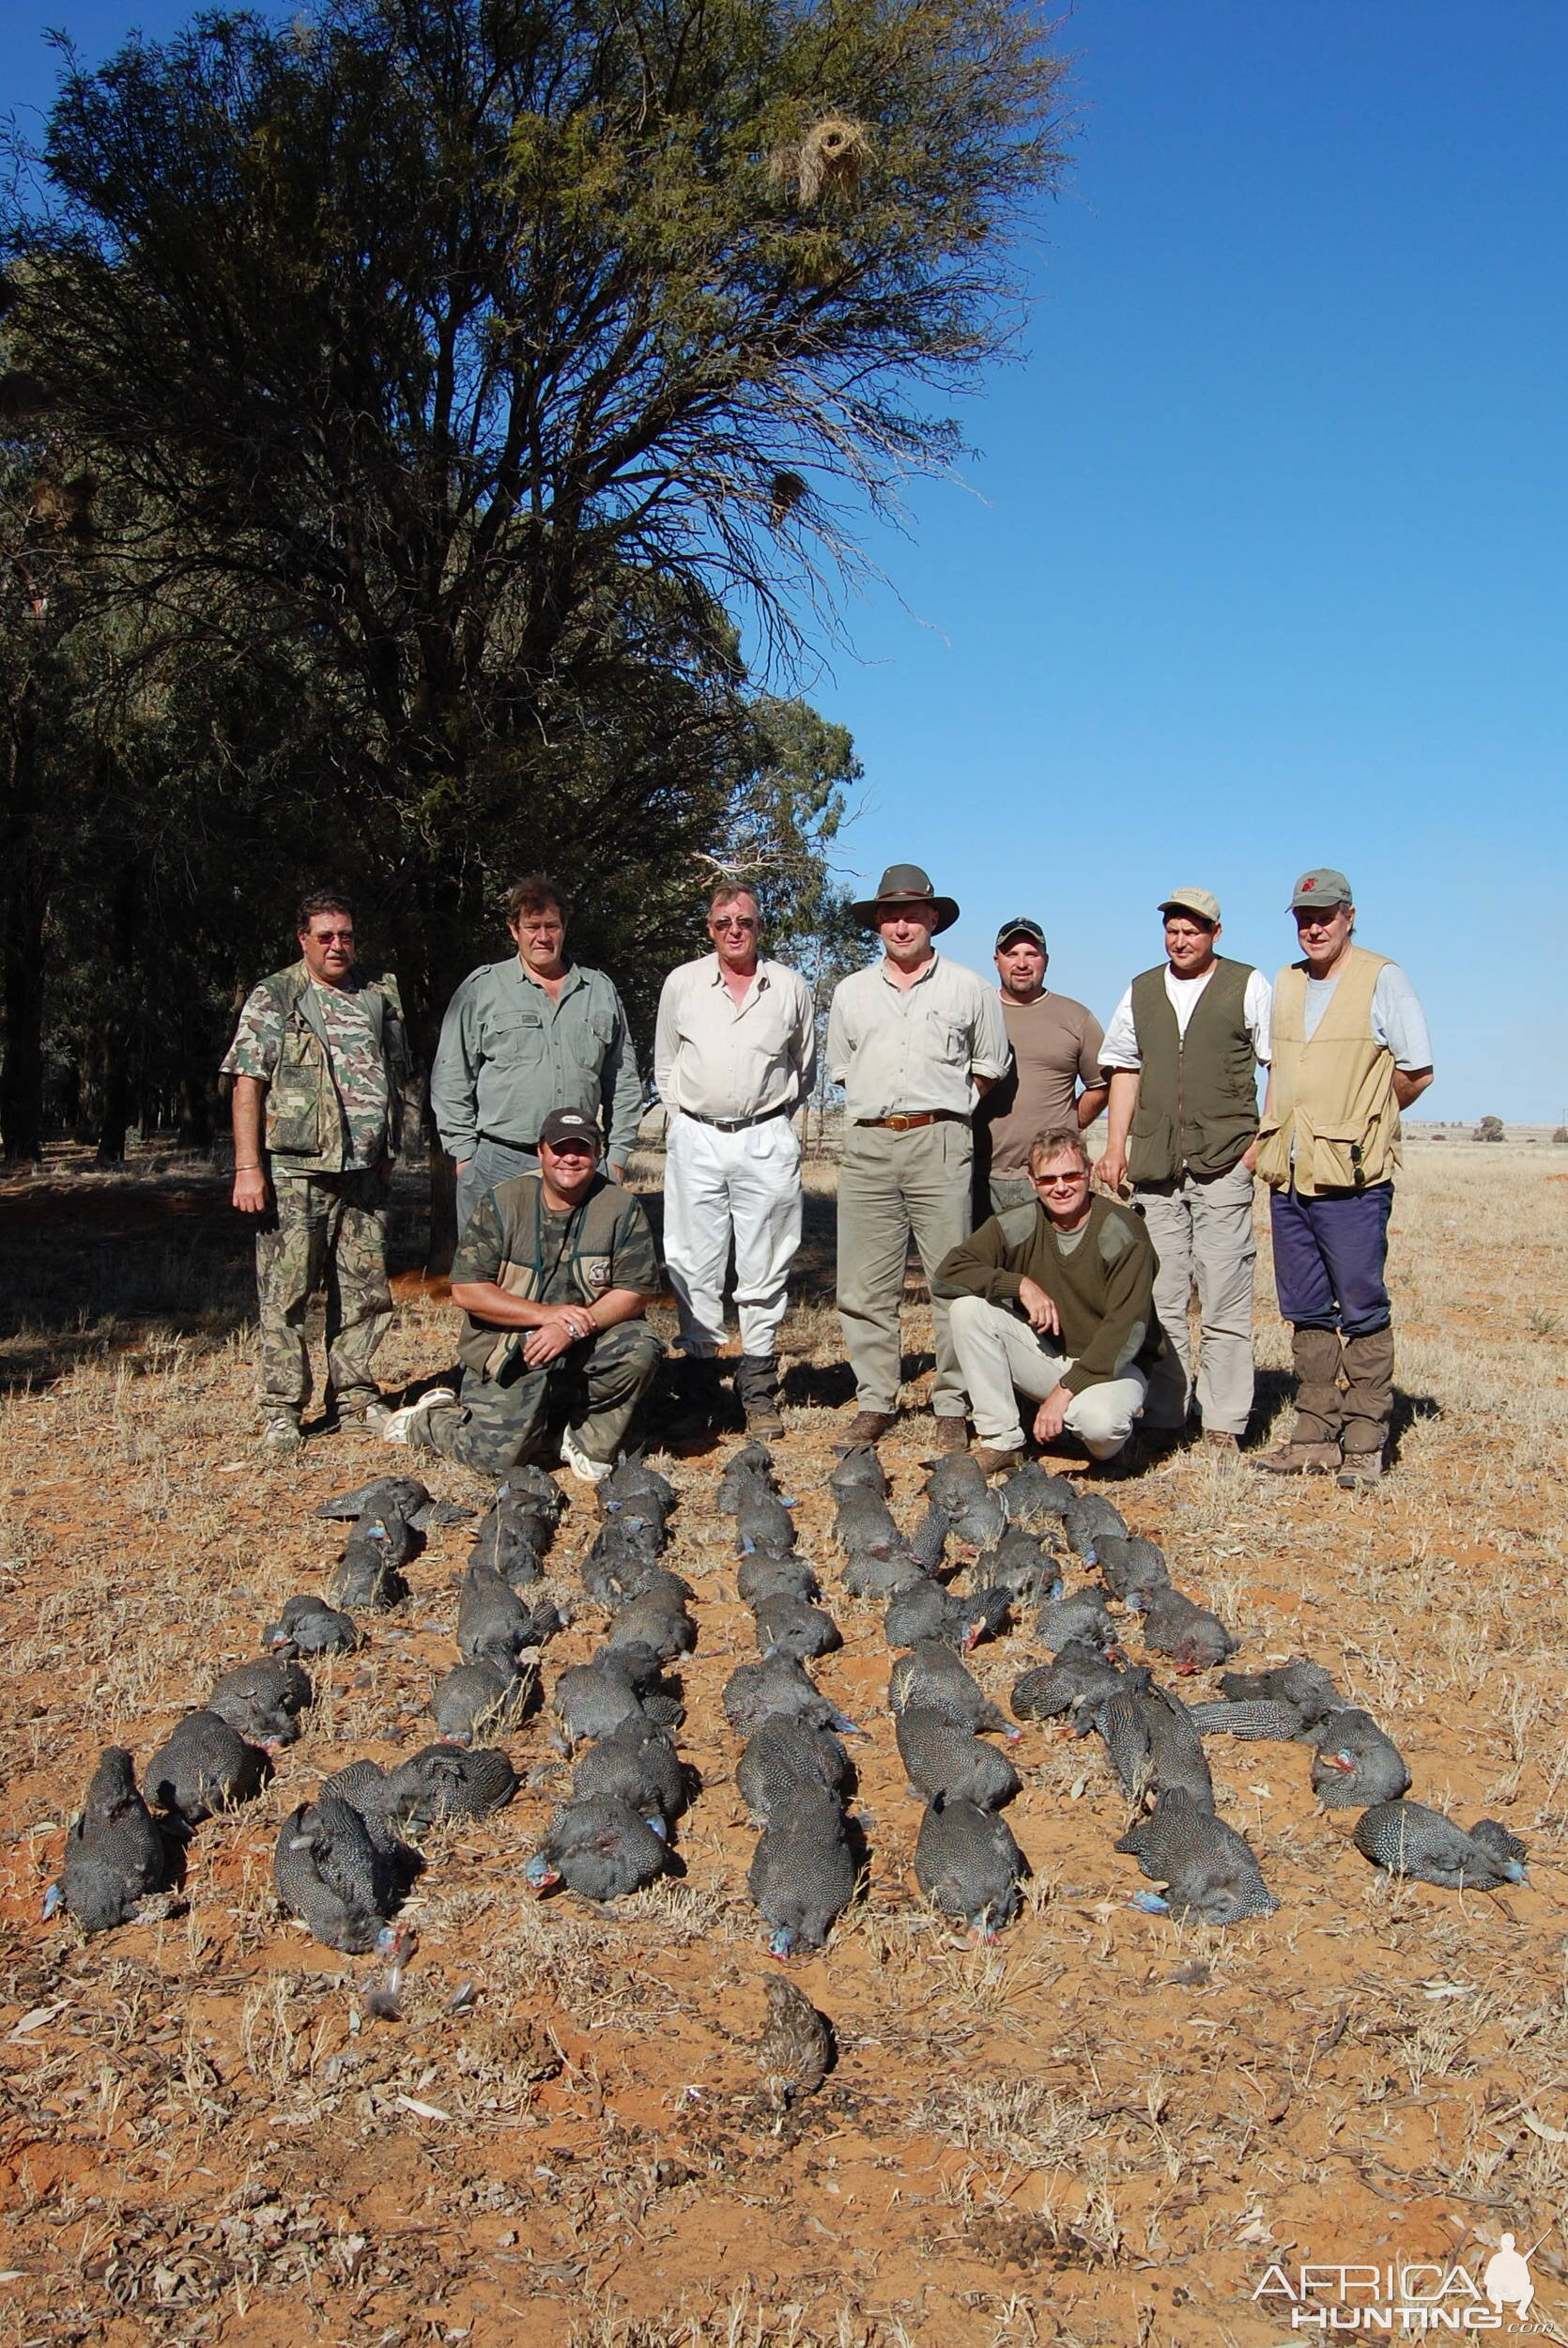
[1261, 564]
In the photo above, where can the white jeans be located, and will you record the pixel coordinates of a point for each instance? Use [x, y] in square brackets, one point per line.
[1002, 1357]
[719, 1187]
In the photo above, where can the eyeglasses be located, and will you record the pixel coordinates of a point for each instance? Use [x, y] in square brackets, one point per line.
[731, 921]
[332, 937]
[1057, 1182]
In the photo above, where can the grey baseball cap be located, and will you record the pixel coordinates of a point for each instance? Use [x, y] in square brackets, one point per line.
[1203, 902]
[1020, 926]
[1320, 890]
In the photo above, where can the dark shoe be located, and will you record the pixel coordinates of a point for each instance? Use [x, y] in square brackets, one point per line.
[701, 1406]
[1300, 1459]
[757, 1388]
[1361, 1468]
[992, 1462]
[952, 1434]
[867, 1426]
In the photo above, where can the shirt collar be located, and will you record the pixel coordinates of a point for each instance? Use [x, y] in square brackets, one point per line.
[571, 980]
[758, 979]
[928, 972]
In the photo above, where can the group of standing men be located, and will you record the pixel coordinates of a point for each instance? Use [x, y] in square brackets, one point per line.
[964, 1110]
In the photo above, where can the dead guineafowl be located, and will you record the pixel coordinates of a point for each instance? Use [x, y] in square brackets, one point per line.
[941, 1757]
[1077, 1682]
[1080, 1620]
[1209, 1872]
[600, 1848]
[967, 1864]
[339, 1874]
[1303, 1684]
[116, 1854]
[263, 1699]
[1131, 1568]
[308, 1626]
[927, 1610]
[802, 1872]
[755, 1693]
[787, 1626]
[1404, 1838]
[1176, 1625]
[638, 1765]
[1090, 1517]
[1151, 1743]
[367, 1578]
[1356, 1765]
[784, 1753]
[932, 1677]
[204, 1766]
[476, 1700]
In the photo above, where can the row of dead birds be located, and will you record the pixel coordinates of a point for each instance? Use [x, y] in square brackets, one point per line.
[341, 1866]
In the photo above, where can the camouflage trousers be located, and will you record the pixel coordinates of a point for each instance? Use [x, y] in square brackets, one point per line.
[329, 1231]
[500, 1422]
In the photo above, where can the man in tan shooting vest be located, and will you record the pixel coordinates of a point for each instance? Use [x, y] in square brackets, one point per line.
[1350, 1050]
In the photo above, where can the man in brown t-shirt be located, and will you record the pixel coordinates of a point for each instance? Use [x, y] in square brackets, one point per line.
[1056, 1051]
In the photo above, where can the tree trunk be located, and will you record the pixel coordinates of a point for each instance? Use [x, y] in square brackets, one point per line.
[22, 1075]
[124, 921]
[442, 1244]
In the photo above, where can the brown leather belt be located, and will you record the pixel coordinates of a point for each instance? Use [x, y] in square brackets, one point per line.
[901, 1124]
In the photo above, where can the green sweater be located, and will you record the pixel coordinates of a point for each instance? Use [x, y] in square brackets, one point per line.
[1101, 1283]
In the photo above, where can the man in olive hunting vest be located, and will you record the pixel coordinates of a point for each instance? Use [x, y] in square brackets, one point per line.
[553, 1273]
[1181, 1124]
[318, 1062]
[1351, 1049]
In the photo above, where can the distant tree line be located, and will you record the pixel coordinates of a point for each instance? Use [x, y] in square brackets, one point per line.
[404, 411]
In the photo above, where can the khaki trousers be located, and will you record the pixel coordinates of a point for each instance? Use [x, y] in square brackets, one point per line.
[894, 1187]
[1002, 1357]
[1202, 1229]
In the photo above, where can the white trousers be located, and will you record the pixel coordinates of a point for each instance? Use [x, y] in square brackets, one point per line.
[1002, 1357]
[1202, 1230]
[721, 1187]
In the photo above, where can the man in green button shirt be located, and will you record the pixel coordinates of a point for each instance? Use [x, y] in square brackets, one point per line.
[527, 1035]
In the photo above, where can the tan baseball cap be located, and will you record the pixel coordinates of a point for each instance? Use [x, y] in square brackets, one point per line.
[1202, 901]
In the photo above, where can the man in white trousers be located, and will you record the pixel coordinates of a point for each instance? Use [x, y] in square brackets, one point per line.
[734, 1055]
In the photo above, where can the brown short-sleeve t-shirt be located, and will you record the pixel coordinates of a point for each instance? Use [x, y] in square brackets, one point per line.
[1055, 1048]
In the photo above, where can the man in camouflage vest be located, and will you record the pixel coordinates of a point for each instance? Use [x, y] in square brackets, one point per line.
[554, 1273]
[318, 1062]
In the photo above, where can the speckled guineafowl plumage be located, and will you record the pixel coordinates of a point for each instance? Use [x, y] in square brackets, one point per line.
[204, 1766]
[1407, 1839]
[1210, 1871]
[943, 1757]
[802, 1875]
[968, 1864]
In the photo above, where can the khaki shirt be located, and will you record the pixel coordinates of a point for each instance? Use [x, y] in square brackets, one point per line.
[713, 1056]
[508, 1056]
[897, 1050]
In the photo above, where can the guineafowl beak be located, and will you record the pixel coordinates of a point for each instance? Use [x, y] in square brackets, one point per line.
[659, 1825]
[461, 1737]
[53, 1900]
[1151, 1902]
[783, 1941]
[540, 1874]
[847, 1727]
[973, 1634]
[1515, 1870]
[1340, 1761]
[983, 1929]
[396, 1944]
[1115, 1652]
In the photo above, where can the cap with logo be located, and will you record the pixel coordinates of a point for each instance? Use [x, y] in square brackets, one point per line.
[1202, 901]
[1020, 927]
[564, 1126]
[1321, 891]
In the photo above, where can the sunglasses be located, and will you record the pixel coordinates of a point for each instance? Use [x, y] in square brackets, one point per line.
[1057, 1182]
[731, 921]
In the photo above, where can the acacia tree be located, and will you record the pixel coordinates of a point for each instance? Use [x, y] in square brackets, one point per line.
[416, 329]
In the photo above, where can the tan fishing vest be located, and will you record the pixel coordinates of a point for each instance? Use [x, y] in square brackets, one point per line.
[1334, 1123]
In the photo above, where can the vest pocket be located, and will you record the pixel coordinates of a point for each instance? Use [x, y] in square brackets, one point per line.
[294, 1113]
[1337, 1160]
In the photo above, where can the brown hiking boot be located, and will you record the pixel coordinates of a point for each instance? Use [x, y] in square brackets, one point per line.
[993, 1462]
[1361, 1468]
[1300, 1459]
[952, 1434]
[1216, 1439]
[756, 1390]
[868, 1427]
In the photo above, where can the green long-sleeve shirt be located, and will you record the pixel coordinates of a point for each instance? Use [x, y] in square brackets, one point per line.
[1101, 1282]
[508, 1056]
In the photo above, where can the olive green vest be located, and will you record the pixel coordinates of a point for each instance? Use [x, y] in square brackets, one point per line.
[584, 1261]
[1332, 1122]
[303, 1114]
[1197, 1093]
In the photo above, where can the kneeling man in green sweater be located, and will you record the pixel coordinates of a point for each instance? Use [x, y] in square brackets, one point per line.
[1057, 1301]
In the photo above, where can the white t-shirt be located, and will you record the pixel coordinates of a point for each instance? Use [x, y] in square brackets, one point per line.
[1120, 1048]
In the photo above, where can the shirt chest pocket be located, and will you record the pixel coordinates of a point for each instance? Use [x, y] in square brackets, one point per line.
[601, 1031]
[516, 1042]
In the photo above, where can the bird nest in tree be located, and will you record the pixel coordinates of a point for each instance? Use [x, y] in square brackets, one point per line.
[833, 154]
[785, 491]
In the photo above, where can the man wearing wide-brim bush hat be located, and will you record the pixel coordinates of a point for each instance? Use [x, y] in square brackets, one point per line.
[915, 1041]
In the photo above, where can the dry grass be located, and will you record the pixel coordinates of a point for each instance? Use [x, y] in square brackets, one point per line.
[1100, 2129]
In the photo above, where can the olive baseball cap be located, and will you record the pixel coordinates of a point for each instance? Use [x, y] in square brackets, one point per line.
[1019, 927]
[1320, 890]
[564, 1126]
[1202, 901]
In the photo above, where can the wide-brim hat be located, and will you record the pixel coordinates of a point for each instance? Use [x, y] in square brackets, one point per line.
[904, 884]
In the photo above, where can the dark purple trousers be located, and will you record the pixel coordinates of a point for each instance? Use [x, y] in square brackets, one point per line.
[1328, 1257]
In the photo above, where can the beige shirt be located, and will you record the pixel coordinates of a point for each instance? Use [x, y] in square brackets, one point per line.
[900, 1050]
[713, 1056]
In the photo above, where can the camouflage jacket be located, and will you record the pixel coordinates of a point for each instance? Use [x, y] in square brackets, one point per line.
[514, 1239]
[335, 1084]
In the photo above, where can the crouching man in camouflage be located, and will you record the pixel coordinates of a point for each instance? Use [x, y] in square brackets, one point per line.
[318, 1062]
[553, 1272]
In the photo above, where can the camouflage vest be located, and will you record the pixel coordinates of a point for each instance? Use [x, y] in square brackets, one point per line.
[582, 1260]
[304, 1113]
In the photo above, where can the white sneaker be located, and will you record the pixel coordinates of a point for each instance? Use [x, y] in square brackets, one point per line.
[281, 1432]
[573, 1456]
[398, 1425]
